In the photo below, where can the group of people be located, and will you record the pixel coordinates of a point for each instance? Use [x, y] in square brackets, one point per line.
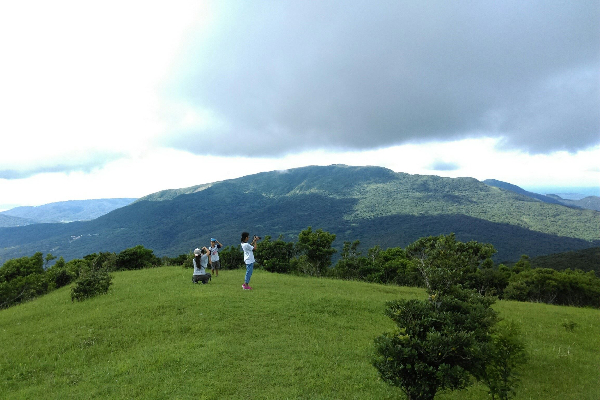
[205, 256]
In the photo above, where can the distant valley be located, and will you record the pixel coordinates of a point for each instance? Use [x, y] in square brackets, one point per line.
[374, 205]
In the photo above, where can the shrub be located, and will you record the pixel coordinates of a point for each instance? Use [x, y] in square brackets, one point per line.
[315, 251]
[231, 257]
[438, 344]
[504, 354]
[58, 275]
[275, 255]
[91, 282]
[137, 257]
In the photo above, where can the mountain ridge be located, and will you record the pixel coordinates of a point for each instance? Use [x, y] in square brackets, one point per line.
[62, 211]
[372, 204]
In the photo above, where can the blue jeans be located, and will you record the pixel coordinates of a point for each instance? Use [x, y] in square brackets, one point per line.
[249, 269]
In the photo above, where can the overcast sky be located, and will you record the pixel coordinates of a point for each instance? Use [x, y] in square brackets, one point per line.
[126, 98]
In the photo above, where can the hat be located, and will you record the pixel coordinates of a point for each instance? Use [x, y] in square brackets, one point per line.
[213, 239]
[197, 252]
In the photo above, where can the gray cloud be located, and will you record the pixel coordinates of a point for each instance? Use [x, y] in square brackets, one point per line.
[440, 165]
[282, 77]
[83, 162]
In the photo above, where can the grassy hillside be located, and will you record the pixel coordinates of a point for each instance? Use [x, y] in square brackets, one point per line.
[374, 205]
[155, 335]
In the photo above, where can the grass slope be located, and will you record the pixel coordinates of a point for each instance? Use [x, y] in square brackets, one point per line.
[156, 335]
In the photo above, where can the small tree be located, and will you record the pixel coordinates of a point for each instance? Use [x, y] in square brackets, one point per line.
[91, 282]
[231, 257]
[444, 262]
[438, 343]
[274, 255]
[503, 355]
[137, 257]
[315, 251]
[446, 341]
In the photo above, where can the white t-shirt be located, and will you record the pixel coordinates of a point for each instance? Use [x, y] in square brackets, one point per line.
[203, 263]
[248, 254]
[214, 252]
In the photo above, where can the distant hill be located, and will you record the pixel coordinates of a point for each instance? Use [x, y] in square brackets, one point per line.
[8, 220]
[588, 203]
[374, 205]
[585, 260]
[64, 211]
[517, 189]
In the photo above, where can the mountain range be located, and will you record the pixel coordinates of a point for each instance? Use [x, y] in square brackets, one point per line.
[63, 211]
[372, 204]
[587, 202]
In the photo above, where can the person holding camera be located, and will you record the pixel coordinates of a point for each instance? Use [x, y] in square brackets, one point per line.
[215, 264]
[201, 260]
[248, 249]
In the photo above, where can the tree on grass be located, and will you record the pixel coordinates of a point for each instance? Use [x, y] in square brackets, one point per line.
[92, 281]
[137, 257]
[450, 339]
[274, 255]
[504, 354]
[438, 344]
[315, 251]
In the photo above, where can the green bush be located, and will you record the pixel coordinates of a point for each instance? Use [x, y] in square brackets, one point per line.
[504, 355]
[274, 255]
[315, 251]
[91, 282]
[137, 257]
[231, 257]
[22, 279]
[58, 275]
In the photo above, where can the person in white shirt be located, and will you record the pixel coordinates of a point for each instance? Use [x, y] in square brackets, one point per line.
[248, 249]
[214, 248]
[201, 260]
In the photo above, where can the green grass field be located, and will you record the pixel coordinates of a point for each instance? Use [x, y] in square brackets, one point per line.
[156, 335]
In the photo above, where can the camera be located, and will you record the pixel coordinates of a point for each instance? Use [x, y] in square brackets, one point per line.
[257, 237]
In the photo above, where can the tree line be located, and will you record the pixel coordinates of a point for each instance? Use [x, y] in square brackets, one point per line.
[25, 278]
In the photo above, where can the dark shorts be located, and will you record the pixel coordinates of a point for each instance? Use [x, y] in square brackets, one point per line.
[215, 264]
[201, 278]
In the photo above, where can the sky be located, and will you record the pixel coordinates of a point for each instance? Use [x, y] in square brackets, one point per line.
[107, 99]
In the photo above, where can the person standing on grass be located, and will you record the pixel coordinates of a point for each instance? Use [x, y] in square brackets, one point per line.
[248, 249]
[214, 248]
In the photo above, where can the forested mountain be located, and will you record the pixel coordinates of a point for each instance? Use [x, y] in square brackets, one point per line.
[63, 211]
[585, 260]
[374, 205]
[517, 189]
[9, 220]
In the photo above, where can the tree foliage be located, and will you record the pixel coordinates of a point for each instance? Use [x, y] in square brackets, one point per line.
[232, 257]
[137, 257]
[315, 250]
[91, 282]
[274, 255]
[442, 343]
[503, 355]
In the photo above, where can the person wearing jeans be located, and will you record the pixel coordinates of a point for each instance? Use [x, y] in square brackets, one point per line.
[248, 249]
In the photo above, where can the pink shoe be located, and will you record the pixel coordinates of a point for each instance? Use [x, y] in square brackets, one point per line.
[246, 287]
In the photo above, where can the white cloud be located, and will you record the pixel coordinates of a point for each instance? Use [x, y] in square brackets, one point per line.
[82, 77]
